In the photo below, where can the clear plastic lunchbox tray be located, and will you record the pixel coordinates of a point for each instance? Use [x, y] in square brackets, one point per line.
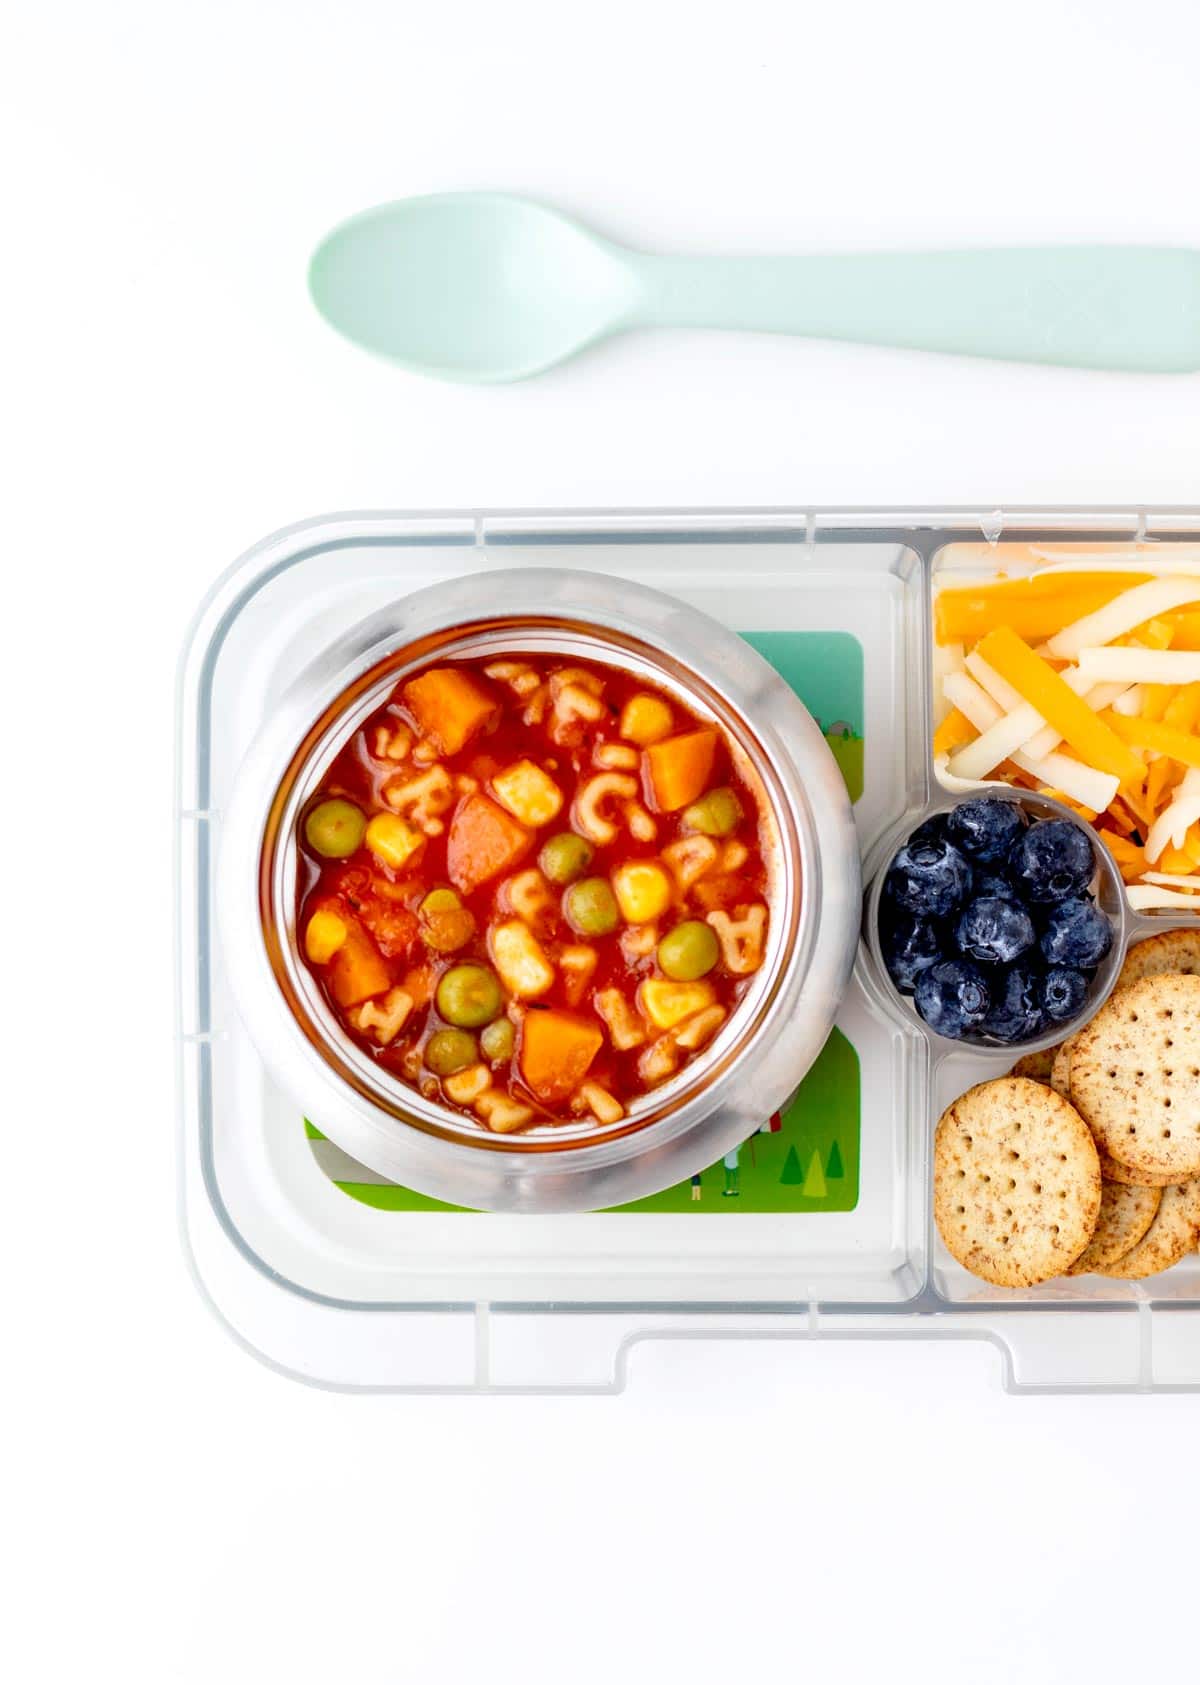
[818, 1227]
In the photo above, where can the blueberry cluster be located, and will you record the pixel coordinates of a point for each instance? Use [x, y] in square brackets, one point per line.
[987, 921]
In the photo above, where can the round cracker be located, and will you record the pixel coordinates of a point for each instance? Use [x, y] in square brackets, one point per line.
[1035, 1066]
[1112, 1170]
[1170, 953]
[1060, 1070]
[1016, 1182]
[1125, 1215]
[1135, 1075]
[1172, 1234]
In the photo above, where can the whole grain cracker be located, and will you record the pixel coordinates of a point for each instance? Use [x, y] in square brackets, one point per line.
[1016, 1188]
[1113, 1170]
[1173, 1233]
[1171, 953]
[1125, 1215]
[1035, 1066]
[1135, 1075]
[1060, 1071]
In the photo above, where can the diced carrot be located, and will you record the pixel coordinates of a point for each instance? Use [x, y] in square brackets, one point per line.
[1191, 844]
[677, 769]
[954, 730]
[1035, 607]
[450, 707]
[1089, 734]
[1154, 734]
[556, 1051]
[483, 842]
[357, 971]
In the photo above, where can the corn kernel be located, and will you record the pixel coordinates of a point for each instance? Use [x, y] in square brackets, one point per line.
[391, 841]
[667, 1004]
[645, 720]
[324, 936]
[643, 891]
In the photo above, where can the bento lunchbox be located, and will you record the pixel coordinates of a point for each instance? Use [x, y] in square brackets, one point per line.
[352, 1248]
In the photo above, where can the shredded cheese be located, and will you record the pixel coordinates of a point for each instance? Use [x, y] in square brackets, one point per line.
[1143, 897]
[1092, 739]
[1132, 608]
[1140, 666]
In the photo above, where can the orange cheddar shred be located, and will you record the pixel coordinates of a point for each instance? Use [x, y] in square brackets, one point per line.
[1182, 746]
[1094, 740]
[1156, 700]
[1185, 629]
[1183, 710]
[1035, 608]
[953, 731]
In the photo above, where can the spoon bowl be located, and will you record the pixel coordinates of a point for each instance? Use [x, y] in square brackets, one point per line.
[470, 286]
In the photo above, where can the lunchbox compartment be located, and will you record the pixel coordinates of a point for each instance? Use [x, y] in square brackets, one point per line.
[344, 1292]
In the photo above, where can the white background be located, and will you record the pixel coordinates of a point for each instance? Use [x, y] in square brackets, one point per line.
[177, 1512]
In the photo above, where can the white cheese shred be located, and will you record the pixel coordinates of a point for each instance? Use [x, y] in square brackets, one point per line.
[1140, 603]
[1141, 666]
[1144, 897]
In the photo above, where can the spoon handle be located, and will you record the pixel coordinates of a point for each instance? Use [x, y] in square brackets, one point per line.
[1091, 307]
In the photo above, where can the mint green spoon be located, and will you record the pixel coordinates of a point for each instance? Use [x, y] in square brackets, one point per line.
[484, 287]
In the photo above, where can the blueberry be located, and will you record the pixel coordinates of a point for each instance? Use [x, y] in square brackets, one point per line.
[932, 829]
[993, 930]
[1051, 860]
[1063, 993]
[1016, 1013]
[995, 883]
[1076, 934]
[909, 945]
[953, 997]
[928, 877]
[986, 828]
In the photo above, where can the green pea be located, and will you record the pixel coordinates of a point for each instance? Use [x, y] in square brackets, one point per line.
[335, 828]
[498, 1040]
[445, 923]
[688, 952]
[469, 996]
[448, 1051]
[565, 857]
[591, 907]
[715, 815]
